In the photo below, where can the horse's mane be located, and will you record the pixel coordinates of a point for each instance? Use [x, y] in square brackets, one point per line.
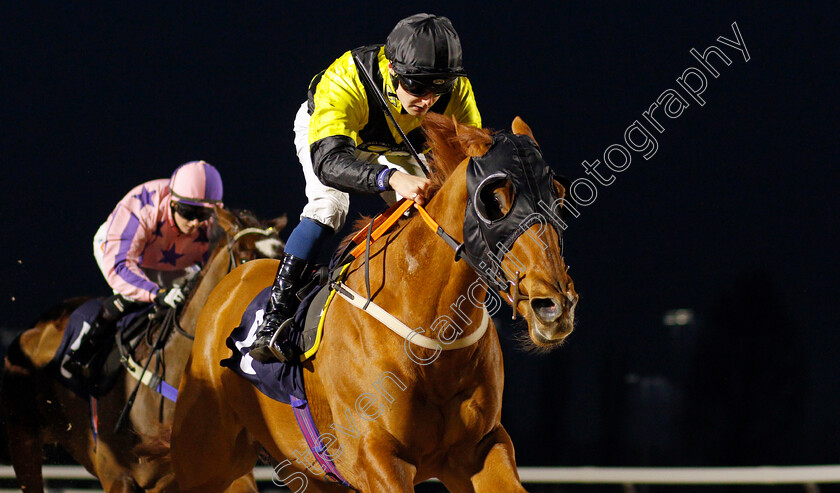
[448, 142]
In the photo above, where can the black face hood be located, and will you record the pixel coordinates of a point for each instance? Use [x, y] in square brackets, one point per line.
[518, 159]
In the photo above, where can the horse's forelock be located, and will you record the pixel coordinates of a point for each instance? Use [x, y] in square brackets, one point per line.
[246, 218]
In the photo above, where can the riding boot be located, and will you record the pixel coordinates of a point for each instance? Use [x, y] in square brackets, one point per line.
[281, 307]
[80, 361]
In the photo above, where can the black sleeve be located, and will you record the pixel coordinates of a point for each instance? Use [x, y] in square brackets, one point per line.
[336, 165]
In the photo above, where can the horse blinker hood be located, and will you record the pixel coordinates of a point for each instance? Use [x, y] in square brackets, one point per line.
[486, 241]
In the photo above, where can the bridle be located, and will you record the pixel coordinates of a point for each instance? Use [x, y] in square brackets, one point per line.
[267, 232]
[233, 262]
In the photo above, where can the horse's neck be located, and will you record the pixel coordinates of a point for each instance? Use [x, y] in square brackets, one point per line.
[217, 268]
[178, 347]
[437, 285]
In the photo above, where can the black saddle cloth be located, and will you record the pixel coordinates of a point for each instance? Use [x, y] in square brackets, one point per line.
[275, 379]
[107, 360]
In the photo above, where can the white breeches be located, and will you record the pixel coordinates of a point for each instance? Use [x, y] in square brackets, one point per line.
[329, 206]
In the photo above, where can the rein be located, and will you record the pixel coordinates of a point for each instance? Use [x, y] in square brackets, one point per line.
[361, 242]
[170, 321]
[155, 351]
[363, 238]
[383, 222]
[383, 105]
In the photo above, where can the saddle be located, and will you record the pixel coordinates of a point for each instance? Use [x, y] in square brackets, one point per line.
[110, 360]
[275, 379]
[283, 381]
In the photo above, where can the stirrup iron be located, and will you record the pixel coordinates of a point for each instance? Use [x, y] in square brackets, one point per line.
[274, 347]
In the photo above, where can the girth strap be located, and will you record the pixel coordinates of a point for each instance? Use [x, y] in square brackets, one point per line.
[306, 423]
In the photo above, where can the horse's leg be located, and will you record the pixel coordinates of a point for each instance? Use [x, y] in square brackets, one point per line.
[383, 470]
[23, 425]
[113, 476]
[210, 448]
[25, 449]
[496, 468]
[293, 476]
[122, 484]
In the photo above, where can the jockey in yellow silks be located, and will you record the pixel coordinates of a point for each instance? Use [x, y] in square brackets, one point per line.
[346, 144]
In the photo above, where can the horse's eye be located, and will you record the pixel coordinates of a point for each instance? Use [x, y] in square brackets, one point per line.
[494, 198]
[498, 200]
[242, 261]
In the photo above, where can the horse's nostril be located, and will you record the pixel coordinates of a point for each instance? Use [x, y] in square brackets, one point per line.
[546, 309]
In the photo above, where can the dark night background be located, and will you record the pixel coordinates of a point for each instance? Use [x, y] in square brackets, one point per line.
[734, 218]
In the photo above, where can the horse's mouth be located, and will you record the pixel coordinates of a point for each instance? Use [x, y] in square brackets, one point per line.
[552, 321]
[549, 337]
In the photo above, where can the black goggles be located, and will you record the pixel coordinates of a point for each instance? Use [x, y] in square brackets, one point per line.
[420, 86]
[191, 212]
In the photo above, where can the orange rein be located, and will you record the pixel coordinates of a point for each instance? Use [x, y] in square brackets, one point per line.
[384, 221]
[377, 227]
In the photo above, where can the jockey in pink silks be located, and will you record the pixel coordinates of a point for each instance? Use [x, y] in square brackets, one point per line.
[154, 240]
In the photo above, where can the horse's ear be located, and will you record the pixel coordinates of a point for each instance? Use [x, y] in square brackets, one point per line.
[278, 223]
[226, 220]
[519, 127]
[474, 141]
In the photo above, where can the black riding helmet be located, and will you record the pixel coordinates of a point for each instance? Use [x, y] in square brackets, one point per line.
[425, 46]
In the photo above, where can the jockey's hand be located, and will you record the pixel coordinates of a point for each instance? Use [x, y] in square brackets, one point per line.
[191, 271]
[172, 297]
[411, 187]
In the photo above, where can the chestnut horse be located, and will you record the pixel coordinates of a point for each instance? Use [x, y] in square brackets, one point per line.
[396, 414]
[40, 411]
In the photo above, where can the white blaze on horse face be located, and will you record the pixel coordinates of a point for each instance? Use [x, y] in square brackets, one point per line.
[270, 247]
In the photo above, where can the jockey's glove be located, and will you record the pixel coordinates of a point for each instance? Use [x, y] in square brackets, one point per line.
[172, 297]
[192, 271]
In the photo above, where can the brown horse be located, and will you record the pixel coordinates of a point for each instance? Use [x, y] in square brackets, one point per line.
[40, 411]
[395, 414]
